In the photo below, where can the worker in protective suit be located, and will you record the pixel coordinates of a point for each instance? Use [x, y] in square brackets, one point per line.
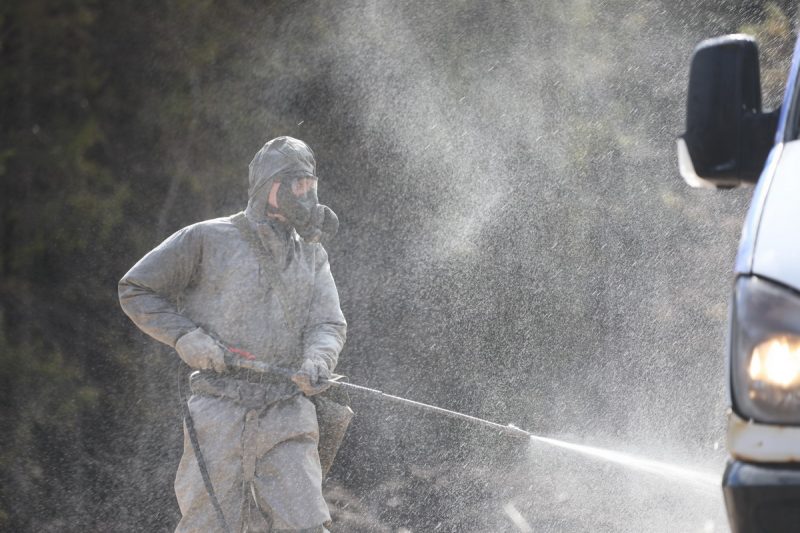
[258, 282]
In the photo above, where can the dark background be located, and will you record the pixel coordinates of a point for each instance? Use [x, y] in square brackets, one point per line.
[515, 243]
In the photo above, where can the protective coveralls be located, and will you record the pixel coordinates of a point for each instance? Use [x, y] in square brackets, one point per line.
[258, 434]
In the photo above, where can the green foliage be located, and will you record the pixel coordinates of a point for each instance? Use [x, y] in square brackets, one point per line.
[45, 397]
[61, 205]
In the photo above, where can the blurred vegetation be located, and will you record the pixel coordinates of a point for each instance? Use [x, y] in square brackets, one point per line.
[773, 33]
[124, 121]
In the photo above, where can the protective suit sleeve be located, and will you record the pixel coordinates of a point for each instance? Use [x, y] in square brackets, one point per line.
[148, 292]
[326, 328]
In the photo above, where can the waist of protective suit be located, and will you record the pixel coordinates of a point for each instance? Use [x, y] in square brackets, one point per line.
[248, 388]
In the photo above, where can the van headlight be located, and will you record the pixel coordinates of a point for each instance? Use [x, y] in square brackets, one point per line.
[765, 351]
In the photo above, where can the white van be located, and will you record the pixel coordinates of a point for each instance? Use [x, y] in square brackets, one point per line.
[730, 141]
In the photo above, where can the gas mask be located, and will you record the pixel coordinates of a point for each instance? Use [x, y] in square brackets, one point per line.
[296, 198]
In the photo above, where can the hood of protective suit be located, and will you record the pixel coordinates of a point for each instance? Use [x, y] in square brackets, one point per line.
[282, 157]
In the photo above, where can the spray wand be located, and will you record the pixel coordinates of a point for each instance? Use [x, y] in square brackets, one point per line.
[245, 360]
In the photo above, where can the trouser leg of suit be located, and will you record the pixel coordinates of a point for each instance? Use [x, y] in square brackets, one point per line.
[218, 423]
[287, 484]
[267, 454]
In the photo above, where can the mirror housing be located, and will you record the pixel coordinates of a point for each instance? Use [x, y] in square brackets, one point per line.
[728, 137]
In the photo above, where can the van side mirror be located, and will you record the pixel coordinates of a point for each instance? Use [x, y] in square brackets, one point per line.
[728, 137]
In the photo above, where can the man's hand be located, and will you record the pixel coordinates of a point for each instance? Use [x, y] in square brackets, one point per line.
[198, 350]
[313, 376]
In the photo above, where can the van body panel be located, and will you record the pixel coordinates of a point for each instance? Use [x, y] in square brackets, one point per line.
[776, 251]
[744, 255]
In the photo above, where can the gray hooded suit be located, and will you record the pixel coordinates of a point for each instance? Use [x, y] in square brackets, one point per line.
[258, 437]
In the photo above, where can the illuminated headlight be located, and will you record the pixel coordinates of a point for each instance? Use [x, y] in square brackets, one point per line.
[765, 351]
[776, 362]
